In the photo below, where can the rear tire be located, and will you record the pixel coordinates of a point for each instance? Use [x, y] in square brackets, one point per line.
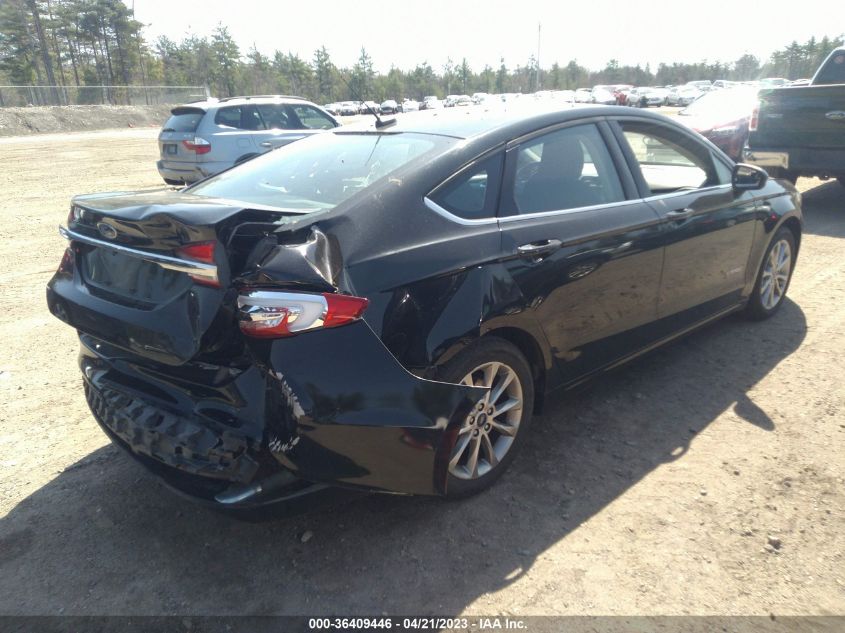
[492, 434]
[773, 277]
[174, 183]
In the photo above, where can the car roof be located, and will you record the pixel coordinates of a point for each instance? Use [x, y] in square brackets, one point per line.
[511, 120]
[228, 101]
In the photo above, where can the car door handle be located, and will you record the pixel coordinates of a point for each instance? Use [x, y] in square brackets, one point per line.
[536, 249]
[618, 249]
[266, 144]
[680, 214]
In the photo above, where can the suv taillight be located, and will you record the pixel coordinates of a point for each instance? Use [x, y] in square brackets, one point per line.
[755, 116]
[274, 314]
[198, 145]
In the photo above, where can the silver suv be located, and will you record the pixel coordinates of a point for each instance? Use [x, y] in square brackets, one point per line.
[204, 138]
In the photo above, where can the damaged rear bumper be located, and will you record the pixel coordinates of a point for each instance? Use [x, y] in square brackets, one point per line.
[291, 422]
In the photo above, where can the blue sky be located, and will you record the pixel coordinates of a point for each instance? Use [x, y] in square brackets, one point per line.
[403, 33]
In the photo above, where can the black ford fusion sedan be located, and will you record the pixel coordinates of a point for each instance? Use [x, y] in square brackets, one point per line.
[384, 307]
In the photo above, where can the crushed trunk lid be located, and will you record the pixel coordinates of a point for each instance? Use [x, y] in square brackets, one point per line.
[128, 278]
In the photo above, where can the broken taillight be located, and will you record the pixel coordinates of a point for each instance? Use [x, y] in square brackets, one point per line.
[274, 314]
[200, 252]
[66, 265]
[198, 145]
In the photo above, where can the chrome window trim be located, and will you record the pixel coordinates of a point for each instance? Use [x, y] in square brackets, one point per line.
[556, 212]
[523, 216]
[431, 204]
[554, 127]
[539, 214]
[676, 194]
[198, 269]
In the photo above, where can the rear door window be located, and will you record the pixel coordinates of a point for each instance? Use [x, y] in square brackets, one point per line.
[251, 119]
[229, 117]
[276, 116]
[565, 169]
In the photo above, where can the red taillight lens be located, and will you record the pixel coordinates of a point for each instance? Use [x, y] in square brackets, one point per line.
[198, 145]
[66, 265]
[755, 116]
[272, 314]
[343, 309]
[200, 252]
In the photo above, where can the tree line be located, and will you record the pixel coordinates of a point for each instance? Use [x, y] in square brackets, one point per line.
[86, 43]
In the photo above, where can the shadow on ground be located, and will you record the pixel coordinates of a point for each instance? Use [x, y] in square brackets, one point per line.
[104, 537]
[824, 210]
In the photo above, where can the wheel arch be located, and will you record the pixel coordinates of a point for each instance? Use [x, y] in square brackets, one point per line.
[794, 225]
[245, 158]
[529, 347]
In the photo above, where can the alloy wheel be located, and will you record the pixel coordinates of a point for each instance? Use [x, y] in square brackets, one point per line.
[489, 430]
[776, 274]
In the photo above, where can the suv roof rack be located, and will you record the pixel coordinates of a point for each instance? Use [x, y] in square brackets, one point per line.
[248, 97]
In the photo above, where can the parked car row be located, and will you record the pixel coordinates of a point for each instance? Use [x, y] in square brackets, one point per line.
[350, 108]
[200, 139]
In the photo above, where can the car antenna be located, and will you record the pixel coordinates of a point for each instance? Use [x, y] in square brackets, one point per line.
[380, 123]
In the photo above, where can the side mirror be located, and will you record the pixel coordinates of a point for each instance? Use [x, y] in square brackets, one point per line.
[748, 177]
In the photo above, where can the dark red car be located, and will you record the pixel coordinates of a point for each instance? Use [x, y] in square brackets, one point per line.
[722, 117]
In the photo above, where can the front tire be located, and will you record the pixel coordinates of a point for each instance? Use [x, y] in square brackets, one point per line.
[774, 276]
[495, 429]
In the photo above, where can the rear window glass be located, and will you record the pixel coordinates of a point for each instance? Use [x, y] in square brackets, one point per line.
[275, 116]
[183, 122]
[320, 172]
[833, 71]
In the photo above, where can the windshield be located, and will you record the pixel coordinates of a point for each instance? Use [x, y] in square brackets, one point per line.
[320, 172]
[727, 102]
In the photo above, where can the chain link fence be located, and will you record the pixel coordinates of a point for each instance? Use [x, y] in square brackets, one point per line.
[21, 96]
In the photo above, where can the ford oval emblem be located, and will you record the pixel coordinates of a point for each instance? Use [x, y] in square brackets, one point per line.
[106, 230]
[836, 115]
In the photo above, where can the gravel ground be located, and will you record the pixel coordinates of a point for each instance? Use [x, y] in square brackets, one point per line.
[43, 119]
[705, 478]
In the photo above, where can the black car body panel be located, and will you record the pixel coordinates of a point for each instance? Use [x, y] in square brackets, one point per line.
[339, 426]
[362, 405]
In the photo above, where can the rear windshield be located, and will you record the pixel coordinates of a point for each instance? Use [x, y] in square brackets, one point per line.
[183, 122]
[833, 71]
[320, 172]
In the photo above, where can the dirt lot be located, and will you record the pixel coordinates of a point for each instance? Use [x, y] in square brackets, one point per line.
[706, 478]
